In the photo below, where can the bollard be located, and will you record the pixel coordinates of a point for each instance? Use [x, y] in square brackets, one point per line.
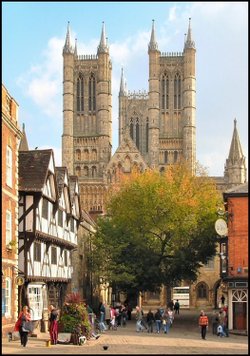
[48, 343]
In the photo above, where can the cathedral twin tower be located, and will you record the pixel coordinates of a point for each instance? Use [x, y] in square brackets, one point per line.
[155, 128]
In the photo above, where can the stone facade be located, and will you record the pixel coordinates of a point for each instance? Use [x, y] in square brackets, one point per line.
[11, 136]
[156, 128]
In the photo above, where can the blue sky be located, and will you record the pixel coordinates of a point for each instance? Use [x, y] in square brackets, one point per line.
[33, 34]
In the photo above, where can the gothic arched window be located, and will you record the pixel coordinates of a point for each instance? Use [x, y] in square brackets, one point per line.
[147, 131]
[177, 91]
[166, 156]
[175, 156]
[86, 171]
[202, 291]
[94, 171]
[92, 93]
[131, 127]
[137, 133]
[78, 171]
[165, 92]
[80, 94]
[78, 155]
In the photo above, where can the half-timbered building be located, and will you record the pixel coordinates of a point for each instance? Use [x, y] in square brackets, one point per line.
[49, 216]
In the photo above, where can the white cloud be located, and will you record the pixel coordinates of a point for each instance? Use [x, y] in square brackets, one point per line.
[172, 14]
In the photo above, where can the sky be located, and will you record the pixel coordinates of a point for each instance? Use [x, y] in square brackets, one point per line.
[33, 35]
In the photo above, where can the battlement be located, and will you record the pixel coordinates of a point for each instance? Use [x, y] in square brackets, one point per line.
[171, 54]
[138, 95]
[87, 57]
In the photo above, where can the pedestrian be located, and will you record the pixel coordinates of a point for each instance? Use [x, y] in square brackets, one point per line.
[220, 331]
[166, 321]
[171, 305]
[158, 321]
[124, 315]
[215, 322]
[107, 314]
[113, 318]
[53, 324]
[150, 320]
[203, 323]
[171, 316]
[138, 317]
[23, 322]
[177, 307]
[102, 317]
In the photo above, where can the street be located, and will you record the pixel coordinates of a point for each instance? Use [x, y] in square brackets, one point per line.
[184, 338]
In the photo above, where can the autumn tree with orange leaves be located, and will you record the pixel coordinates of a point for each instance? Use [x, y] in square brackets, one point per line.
[159, 228]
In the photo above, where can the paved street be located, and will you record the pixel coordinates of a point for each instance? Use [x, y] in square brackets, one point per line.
[184, 338]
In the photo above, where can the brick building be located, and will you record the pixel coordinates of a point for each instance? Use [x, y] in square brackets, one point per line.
[234, 249]
[11, 136]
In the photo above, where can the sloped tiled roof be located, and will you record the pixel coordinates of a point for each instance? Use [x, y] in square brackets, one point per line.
[33, 169]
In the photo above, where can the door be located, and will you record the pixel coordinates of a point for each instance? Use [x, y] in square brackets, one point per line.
[239, 316]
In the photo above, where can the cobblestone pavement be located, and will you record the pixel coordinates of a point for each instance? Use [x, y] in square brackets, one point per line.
[184, 338]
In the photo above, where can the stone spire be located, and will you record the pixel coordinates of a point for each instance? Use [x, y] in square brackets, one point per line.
[122, 85]
[103, 47]
[235, 167]
[24, 142]
[235, 153]
[153, 46]
[75, 47]
[189, 42]
[67, 47]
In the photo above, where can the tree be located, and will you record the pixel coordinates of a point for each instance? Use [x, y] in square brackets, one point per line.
[159, 228]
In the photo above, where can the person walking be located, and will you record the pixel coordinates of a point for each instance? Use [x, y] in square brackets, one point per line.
[203, 323]
[150, 320]
[166, 321]
[23, 318]
[171, 316]
[177, 307]
[53, 324]
[158, 321]
[102, 317]
[107, 314]
[138, 317]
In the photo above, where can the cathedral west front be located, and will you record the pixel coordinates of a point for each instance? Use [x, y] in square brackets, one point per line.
[156, 128]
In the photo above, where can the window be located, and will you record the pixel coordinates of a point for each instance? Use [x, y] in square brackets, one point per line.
[147, 130]
[166, 156]
[80, 94]
[9, 166]
[8, 298]
[35, 297]
[37, 251]
[78, 171]
[165, 92]
[65, 258]
[8, 227]
[45, 209]
[72, 225]
[202, 291]
[210, 263]
[137, 133]
[94, 171]
[131, 129]
[53, 255]
[177, 91]
[92, 98]
[78, 155]
[175, 156]
[60, 217]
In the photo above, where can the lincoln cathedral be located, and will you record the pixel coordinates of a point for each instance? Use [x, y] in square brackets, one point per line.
[156, 128]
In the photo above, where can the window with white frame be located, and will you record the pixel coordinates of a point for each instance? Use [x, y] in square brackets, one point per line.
[35, 301]
[8, 227]
[9, 166]
[8, 297]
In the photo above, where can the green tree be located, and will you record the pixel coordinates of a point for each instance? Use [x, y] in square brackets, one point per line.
[159, 228]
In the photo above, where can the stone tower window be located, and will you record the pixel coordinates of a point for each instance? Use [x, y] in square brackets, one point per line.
[92, 93]
[166, 156]
[165, 92]
[147, 134]
[94, 171]
[86, 171]
[78, 155]
[86, 154]
[175, 156]
[177, 91]
[80, 94]
[137, 133]
[94, 155]
[78, 171]
[131, 126]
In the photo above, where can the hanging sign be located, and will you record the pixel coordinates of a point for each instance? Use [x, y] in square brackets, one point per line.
[221, 227]
[19, 280]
